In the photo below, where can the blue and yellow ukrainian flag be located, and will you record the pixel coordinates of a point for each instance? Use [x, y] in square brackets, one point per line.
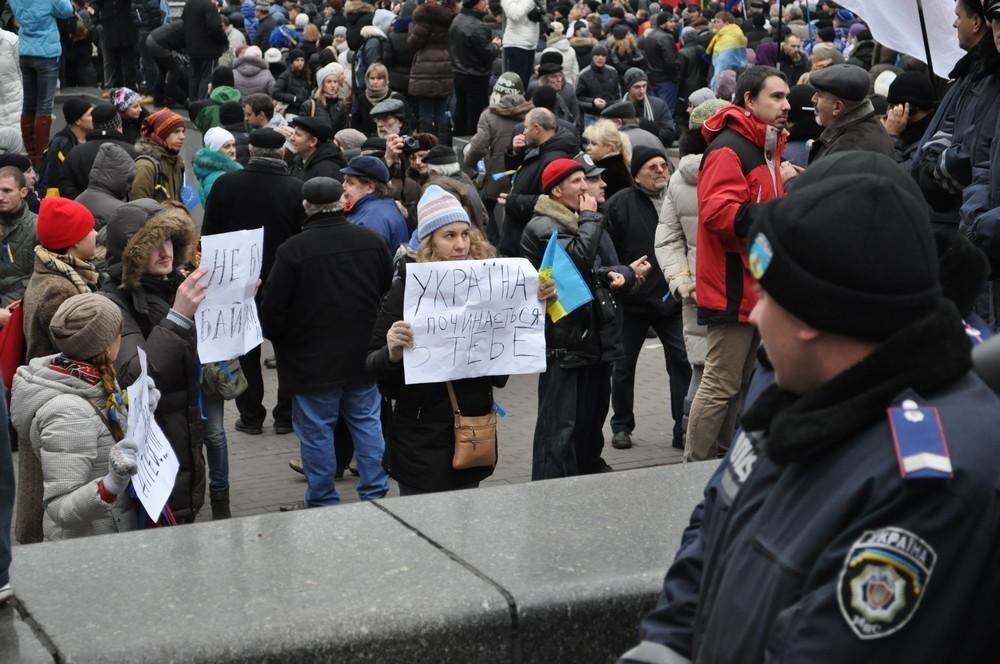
[572, 290]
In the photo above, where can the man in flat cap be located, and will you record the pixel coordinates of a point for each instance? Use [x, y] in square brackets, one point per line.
[315, 154]
[846, 114]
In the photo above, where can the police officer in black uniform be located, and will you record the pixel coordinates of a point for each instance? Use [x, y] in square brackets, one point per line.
[856, 517]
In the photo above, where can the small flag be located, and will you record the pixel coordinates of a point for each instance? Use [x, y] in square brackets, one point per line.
[189, 197]
[572, 290]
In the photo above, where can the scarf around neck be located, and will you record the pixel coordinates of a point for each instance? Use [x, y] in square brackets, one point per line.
[80, 272]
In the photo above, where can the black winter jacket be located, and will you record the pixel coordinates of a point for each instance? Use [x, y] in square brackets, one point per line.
[146, 14]
[520, 207]
[421, 440]
[76, 169]
[326, 161]
[262, 194]
[293, 89]
[116, 23]
[329, 273]
[858, 130]
[396, 55]
[203, 33]
[661, 56]
[264, 30]
[166, 39]
[332, 111]
[357, 14]
[471, 45]
[598, 83]
[693, 70]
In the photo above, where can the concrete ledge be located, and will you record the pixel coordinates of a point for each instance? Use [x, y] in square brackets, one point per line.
[542, 572]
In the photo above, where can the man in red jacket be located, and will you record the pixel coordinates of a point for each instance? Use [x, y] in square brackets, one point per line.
[742, 165]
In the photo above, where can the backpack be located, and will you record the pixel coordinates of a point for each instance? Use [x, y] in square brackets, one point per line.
[160, 193]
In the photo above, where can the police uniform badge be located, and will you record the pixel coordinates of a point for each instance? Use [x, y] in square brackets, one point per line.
[885, 576]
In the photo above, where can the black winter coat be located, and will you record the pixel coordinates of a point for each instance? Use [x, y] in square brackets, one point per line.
[166, 39]
[326, 161]
[520, 207]
[293, 89]
[421, 440]
[357, 14]
[430, 73]
[693, 66]
[262, 194]
[146, 14]
[333, 112]
[397, 57]
[264, 30]
[76, 168]
[595, 83]
[203, 33]
[661, 56]
[616, 174]
[117, 27]
[632, 221]
[859, 130]
[171, 347]
[331, 272]
[472, 48]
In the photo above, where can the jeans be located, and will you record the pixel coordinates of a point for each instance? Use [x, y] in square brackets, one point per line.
[670, 330]
[472, 96]
[667, 91]
[251, 403]
[120, 67]
[216, 447]
[565, 396]
[39, 77]
[201, 74]
[521, 61]
[6, 489]
[314, 417]
[729, 360]
[432, 114]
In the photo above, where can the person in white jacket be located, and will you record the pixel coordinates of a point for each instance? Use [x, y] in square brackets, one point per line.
[11, 92]
[676, 235]
[71, 409]
[520, 35]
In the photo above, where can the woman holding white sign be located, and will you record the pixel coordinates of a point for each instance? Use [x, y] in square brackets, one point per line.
[70, 407]
[420, 447]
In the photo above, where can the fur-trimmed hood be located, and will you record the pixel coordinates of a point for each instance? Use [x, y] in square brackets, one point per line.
[134, 233]
[548, 207]
[433, 14]
[510, 107]
[582, 42]
[358, 7]
[370, 31]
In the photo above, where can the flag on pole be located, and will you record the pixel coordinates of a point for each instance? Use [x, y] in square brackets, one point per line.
[189, 197]
[572, 290]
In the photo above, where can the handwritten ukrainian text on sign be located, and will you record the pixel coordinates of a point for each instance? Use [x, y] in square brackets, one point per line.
[157, 465]
[473, 318]
[227, 320]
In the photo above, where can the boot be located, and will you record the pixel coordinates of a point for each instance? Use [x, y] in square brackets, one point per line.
[28, 134]
[42, 125]
[220, 505]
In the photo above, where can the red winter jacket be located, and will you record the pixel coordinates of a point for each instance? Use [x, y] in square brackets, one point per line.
[735, 170]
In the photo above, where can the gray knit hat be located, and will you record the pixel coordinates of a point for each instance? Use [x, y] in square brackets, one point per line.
[85, 325]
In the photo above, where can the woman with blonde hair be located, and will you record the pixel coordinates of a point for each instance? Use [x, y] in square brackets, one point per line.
[327, 102]
[73, 411]
[421, 439]
[623, 50]
[611, 150]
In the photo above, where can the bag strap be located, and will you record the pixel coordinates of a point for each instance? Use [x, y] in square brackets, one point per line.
[104, 418]
[451, 397]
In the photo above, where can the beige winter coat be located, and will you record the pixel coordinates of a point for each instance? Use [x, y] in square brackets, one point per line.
[675, 239]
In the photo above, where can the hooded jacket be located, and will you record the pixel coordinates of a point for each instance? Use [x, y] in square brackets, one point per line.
[76, 169]
[110, 180]
[674, 244]
[251, 75]
[159, 174]
[169, 340]
[56, 413]
[207, 116]
[571, 68]
[208, 165]
[430, 73]
[527, 187]
[493, 136]
[741, 166]
[357, 14]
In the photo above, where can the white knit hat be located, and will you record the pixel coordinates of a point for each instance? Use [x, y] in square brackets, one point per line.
[216, 137]
[438, 208]
[332, 69]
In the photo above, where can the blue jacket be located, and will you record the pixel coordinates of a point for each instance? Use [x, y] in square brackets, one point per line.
[250, 20]
[811, 544]
[382, 216]
[39, 35]
[208, 166]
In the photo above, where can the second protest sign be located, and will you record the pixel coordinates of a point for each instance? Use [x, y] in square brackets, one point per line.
[473, 318]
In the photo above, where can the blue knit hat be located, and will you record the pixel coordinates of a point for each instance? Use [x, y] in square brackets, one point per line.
[438, 208]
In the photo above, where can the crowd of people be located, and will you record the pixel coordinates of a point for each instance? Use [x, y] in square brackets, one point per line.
[365, 137]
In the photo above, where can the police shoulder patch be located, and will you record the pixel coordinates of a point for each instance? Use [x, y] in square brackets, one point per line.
[884, 577]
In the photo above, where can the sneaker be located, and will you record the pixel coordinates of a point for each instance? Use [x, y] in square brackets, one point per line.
[282, 428]
[621, 440]
[296, 465]
[6, 592]
[247, 428]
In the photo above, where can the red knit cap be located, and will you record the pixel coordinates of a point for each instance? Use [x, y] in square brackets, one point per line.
[158, 126]
[62, 223]
[557, 171]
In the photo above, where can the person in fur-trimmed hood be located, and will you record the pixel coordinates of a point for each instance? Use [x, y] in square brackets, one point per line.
[431, 80]
[357, 14]
[150, 248]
